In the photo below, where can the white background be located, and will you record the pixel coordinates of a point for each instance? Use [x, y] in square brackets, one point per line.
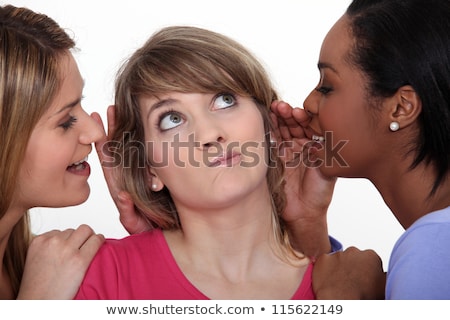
[285, 35]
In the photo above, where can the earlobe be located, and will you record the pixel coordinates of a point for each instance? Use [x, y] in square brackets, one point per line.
[153, 181]
[408, 107]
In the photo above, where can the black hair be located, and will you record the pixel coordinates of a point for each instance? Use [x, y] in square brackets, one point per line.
[407, 42]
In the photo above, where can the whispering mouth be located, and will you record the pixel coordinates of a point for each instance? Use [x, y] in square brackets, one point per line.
[317, 138]
[79, 165]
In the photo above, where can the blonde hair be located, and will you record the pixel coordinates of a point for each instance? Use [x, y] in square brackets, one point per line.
[185, 59]
[31, 46]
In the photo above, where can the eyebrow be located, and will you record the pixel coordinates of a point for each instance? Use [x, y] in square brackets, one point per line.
[70, 105]
[159, 104]
[324, 65]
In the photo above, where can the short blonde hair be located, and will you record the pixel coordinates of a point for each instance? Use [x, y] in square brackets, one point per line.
[184, 59]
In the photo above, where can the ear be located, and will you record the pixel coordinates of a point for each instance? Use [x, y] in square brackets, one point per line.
[406, 108]
[153, 180]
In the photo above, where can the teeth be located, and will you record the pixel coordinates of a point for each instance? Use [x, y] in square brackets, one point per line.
[318, 138]
[80, 162]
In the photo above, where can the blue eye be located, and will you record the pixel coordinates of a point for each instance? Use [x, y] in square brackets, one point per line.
[170, 120]
[69, 123]
[224, 101]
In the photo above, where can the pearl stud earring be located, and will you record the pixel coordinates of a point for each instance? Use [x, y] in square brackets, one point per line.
[154, 186]
[394, 126]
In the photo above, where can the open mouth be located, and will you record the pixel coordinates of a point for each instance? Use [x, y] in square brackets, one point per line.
[317, 138]
[80, 167]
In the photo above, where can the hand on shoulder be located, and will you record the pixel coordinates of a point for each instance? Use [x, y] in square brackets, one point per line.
[351, 274]
[57, 261]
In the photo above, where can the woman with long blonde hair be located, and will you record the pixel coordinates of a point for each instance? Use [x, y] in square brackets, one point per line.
[45, 136]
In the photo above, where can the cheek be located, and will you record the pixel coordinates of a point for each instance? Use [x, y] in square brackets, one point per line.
[157, 153]
[164, 154]
[250, 125]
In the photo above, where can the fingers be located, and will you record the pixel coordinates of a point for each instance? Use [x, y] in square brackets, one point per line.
[79, 237]
[110, 114]
[349, 274]
[73, 239]
[130, 219]
[290, 121]
[90, 247]
[99, 144]
[106, 158]
[97, 118]
[301, 116]
[57, 261]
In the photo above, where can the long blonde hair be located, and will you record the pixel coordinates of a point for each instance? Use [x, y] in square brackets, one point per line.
[186, 59]
[31, 46]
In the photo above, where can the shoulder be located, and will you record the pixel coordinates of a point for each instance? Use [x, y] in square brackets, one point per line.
[116, 254]
[419, 265]
[430, 229]
[136, 241]
[118, 264]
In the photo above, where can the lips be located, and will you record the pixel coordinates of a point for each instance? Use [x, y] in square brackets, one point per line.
[317, 138]
[80, 168]
[227, 160]
[314, 136]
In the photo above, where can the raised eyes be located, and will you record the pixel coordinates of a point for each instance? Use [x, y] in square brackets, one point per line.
[224, 100]
[170, 120]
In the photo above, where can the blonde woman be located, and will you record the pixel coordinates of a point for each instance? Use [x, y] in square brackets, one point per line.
[192, 147]
[45, 136]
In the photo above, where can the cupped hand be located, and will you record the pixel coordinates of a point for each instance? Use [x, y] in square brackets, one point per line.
[308, 191]
[132, 221]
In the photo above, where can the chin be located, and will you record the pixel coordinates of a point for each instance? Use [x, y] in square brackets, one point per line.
[80, 198]
[330, 172]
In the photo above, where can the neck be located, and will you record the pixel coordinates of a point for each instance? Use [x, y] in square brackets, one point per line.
[407, 192]
[229, 252]
[228, 238]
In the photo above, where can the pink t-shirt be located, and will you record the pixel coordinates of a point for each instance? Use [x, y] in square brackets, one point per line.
[141, 267]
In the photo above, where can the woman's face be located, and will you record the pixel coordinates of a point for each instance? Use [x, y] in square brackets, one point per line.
[209, 150]
[54, 172]
[348, 137]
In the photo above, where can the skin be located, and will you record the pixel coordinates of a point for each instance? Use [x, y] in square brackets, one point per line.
[57, 260]
[346, 112]
[218, 128]
[62, 137]
[309, 193]
[225, 247]
[366, 281]
[340, 105]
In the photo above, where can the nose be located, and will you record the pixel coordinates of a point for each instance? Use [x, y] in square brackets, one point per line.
[91, 131]
[210, 132]
[311, 104]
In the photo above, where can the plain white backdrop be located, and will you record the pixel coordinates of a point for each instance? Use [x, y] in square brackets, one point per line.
[285, 35]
